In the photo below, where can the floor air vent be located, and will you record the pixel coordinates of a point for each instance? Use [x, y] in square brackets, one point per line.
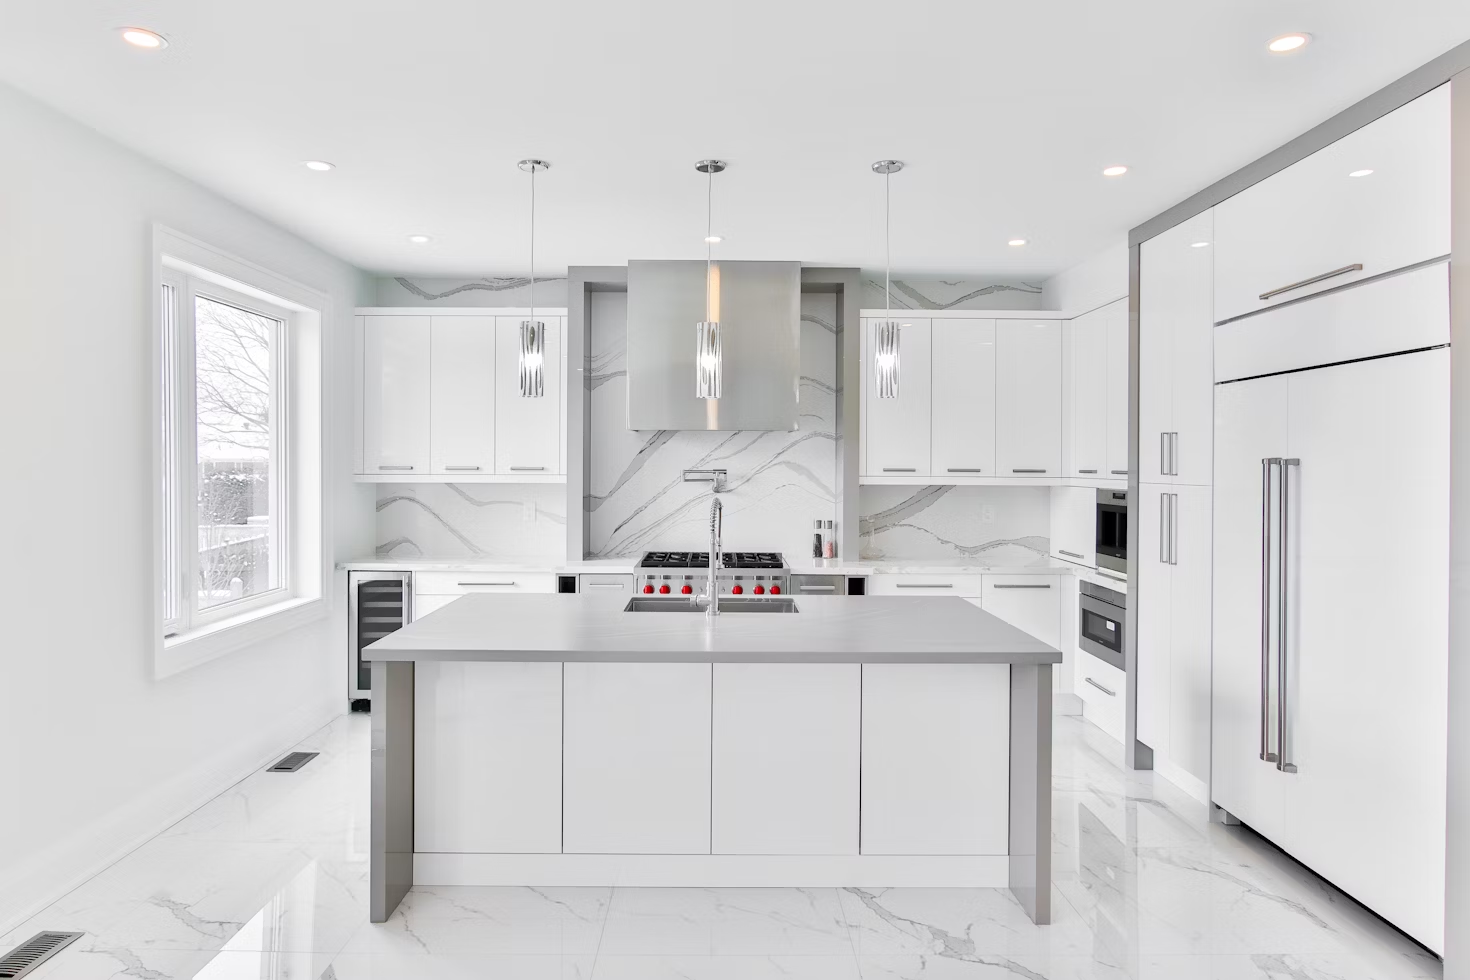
[33, 952]
[289, 762]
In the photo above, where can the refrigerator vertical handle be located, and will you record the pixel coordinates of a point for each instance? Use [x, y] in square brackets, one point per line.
[1266, 463]
[1173, 528]
[1163, 529]
[1173, 454]
[1163, 454]
[1282, 619]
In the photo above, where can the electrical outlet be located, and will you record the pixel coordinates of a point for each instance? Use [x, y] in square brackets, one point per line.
[528, 512]
[987, 513]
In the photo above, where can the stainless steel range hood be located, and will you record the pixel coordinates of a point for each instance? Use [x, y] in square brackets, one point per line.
[758, 305]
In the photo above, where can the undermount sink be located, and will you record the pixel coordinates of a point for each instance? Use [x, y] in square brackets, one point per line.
[742, 604]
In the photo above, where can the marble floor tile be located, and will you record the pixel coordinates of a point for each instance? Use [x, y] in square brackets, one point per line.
[501, 921]
[716, 921]
[458, 966]
[731, 967]
[959, 924]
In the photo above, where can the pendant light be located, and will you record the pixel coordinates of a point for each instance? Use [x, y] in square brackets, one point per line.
[708, 360]
[533, 331]
[885, 347]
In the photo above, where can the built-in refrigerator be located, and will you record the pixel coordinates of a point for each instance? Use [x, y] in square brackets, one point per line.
[1331, 587]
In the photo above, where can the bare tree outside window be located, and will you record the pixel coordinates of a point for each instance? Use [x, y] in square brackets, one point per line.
[234, 404]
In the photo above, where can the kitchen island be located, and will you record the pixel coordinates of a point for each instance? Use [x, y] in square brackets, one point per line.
[823, 741]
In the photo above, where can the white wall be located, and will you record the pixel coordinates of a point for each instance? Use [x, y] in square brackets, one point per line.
[106, 754]
[1095, 281]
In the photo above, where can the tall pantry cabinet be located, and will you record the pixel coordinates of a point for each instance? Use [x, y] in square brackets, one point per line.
[1175, 395]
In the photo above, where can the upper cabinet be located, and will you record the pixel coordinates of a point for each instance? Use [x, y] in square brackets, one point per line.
[898, 428]
[963, 439]
[1175, 354]
[441, 400]
[1096, 398]
[1372, 202]
[1028, 398]
[395, 395]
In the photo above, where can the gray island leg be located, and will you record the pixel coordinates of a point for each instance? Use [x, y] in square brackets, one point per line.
[390, 868]
[1030, 844]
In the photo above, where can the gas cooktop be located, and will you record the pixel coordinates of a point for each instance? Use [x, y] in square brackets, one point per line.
[700, 559]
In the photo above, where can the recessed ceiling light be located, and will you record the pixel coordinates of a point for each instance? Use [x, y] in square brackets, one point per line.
[1016, 242]
[1289, 42]
[1117, 171]
[420, 239]
[713, 240]
[1360, 173]
[140, 37]
[1199, 244]
[321, 166]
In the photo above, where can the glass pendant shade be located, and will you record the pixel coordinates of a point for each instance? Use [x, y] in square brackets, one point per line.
[707, 359]
[885, 358]
[533, 358]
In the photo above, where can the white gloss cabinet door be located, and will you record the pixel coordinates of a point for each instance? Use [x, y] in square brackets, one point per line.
[1189, 630]
[1089, 354]
[1074, 525]
[898, 428]
[1154, 599]
[395, 395]
[1366, 704]
[935, 747]
[1315, 219]
[1250, 424]
[1028, 398]
[1116, 465]
[1031, 603]
[487, 757]
[963, 355]
[462, 436]
[785, 758]
[527, 430]
[636, 759]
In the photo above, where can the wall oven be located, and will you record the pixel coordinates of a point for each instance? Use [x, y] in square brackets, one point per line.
[1112, 530]
[1100, 616]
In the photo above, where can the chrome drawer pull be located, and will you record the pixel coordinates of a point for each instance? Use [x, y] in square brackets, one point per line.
[965, 469]
[1069, 554]
[817, 588]
[1087, 471]
[470, 585]
[1111, 694]
[920, 585]
[461, 468]
[1028, 471]
[605, 585]
[1355, 267]
[527, 469]
[1043, 586]
[395, 467]
[899, 469]
[1118, 472]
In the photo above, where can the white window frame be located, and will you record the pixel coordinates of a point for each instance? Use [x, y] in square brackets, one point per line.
[299, 460]
[183, 613]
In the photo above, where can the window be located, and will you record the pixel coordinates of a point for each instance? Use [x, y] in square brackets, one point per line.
[226, 509]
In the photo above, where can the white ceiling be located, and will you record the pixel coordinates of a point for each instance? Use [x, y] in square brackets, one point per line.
[1005, 114]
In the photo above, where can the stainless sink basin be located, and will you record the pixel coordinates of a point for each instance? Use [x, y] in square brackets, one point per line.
[732, 604]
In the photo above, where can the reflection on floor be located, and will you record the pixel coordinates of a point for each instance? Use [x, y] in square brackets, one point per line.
[269, 882]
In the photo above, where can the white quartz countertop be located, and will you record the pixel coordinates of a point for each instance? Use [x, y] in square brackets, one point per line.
[826, 629]
[600, 566]
[809, 566]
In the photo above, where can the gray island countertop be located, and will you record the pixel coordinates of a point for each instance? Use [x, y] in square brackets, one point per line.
[825, 629]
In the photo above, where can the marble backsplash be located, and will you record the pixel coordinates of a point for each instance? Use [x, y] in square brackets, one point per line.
[950, 294]
[497, 291]
[779, 482]
[998, 525]
[471, 520]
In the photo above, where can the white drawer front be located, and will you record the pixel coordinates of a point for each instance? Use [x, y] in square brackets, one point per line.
[1102, 688]
[465, 583]
[605, 584]
[968, 586]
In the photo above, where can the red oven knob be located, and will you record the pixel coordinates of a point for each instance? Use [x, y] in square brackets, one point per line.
[736, 590]
[759, 590]
[663, 590]
[687, 590]
[775, 590]
[647, 589]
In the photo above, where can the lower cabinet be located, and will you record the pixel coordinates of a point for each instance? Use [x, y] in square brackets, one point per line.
[636, 759]
[487, 757]
[1031, 603]
[785, 758]
[936, 758]
[1102, 688]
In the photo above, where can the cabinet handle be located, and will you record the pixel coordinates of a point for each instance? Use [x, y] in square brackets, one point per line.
[395, 467]
[1282, 557]
[1355, 267]
[467, 585]
[819, 588]
[1043, 586]
[1173, 454]
[965, 469]
[527, 469]
[1163, 529]
[1028, 471]
[1112, 575]
[605, 585]
[457, 468]
[1267, 462]
[1111, 694]
[920, 585]
[1087, 471]
[1114, 472]
[1173, 528]
[1069, 554]
[1163, 454]
[899, 469]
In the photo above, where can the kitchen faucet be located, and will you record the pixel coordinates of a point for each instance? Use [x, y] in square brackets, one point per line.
[710, 600]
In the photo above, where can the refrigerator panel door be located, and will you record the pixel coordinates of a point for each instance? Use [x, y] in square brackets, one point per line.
[1366, 704]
